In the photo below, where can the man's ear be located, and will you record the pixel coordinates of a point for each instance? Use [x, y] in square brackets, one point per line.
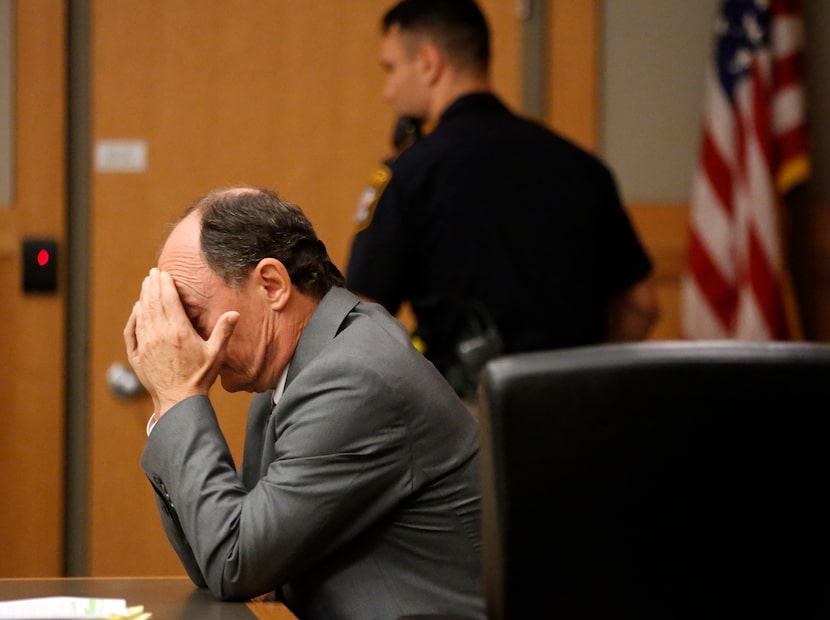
[272, 278]
[431, 62]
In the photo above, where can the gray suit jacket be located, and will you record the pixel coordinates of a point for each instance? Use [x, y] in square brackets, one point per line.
[358, 494]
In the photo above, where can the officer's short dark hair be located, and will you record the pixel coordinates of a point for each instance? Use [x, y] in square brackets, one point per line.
[459, 27]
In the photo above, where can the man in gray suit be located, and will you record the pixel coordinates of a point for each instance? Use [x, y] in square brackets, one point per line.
[357, 497]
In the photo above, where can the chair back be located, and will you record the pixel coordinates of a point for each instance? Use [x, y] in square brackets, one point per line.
[657, 480]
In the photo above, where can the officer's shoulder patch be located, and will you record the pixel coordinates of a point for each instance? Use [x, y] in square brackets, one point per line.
[369, 198]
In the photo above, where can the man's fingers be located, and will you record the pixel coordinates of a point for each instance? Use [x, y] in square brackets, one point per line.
[154, 296]
[222, 331]
[161, 305]
[129, 330]
[167, 292]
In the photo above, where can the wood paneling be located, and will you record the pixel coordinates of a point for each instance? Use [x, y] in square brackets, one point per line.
[278, 93]
[573, 60]
[32, 325]
[662, 229]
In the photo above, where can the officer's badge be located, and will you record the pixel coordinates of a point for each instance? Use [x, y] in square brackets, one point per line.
[370, 196]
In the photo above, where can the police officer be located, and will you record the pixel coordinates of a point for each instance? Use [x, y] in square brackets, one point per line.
[503, 235]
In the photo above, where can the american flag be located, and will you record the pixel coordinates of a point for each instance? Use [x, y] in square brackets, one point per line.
[753, 152]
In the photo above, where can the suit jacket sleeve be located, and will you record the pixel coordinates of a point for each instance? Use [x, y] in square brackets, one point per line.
[333, 468]
[173, 529]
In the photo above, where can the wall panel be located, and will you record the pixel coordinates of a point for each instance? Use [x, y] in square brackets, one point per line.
[32, 325]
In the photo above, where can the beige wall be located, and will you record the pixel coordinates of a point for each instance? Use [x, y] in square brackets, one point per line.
[654, 54]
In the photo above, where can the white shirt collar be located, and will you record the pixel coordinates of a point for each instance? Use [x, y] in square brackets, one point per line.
[280, 386]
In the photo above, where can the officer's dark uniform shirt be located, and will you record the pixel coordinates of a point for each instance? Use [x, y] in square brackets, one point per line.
[492, 207]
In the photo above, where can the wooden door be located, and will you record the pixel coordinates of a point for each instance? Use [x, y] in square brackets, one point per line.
[280, 93]
[32, 324]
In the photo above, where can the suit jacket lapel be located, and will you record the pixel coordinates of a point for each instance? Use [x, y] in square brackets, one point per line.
[255, 436]
[322, 327]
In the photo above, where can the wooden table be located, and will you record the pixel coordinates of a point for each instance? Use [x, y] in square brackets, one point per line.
[167, 598]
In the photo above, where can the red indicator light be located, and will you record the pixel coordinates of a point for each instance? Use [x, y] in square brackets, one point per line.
[40, 263]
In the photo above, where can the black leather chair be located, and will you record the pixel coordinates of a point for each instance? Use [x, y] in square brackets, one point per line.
[657, 480]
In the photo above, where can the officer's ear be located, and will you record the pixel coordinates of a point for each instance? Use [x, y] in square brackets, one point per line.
[431, 62]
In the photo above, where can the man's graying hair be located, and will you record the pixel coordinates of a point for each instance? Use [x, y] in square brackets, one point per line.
[241, 226]
[457, 26]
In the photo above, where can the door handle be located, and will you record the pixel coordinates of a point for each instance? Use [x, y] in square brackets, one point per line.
[123, 382]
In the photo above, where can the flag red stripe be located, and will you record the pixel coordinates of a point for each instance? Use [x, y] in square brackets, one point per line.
[718, 172]
[719, 293]
[786, 70]
[761, 117]
[791, 144]
[766, 289]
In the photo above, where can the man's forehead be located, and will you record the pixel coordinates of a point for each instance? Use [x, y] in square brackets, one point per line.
[182, 258]
[194, 280]
[182, 240]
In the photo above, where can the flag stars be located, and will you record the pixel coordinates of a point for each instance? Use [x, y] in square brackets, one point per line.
[740, 61]
[752, 29]
[741, 30]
